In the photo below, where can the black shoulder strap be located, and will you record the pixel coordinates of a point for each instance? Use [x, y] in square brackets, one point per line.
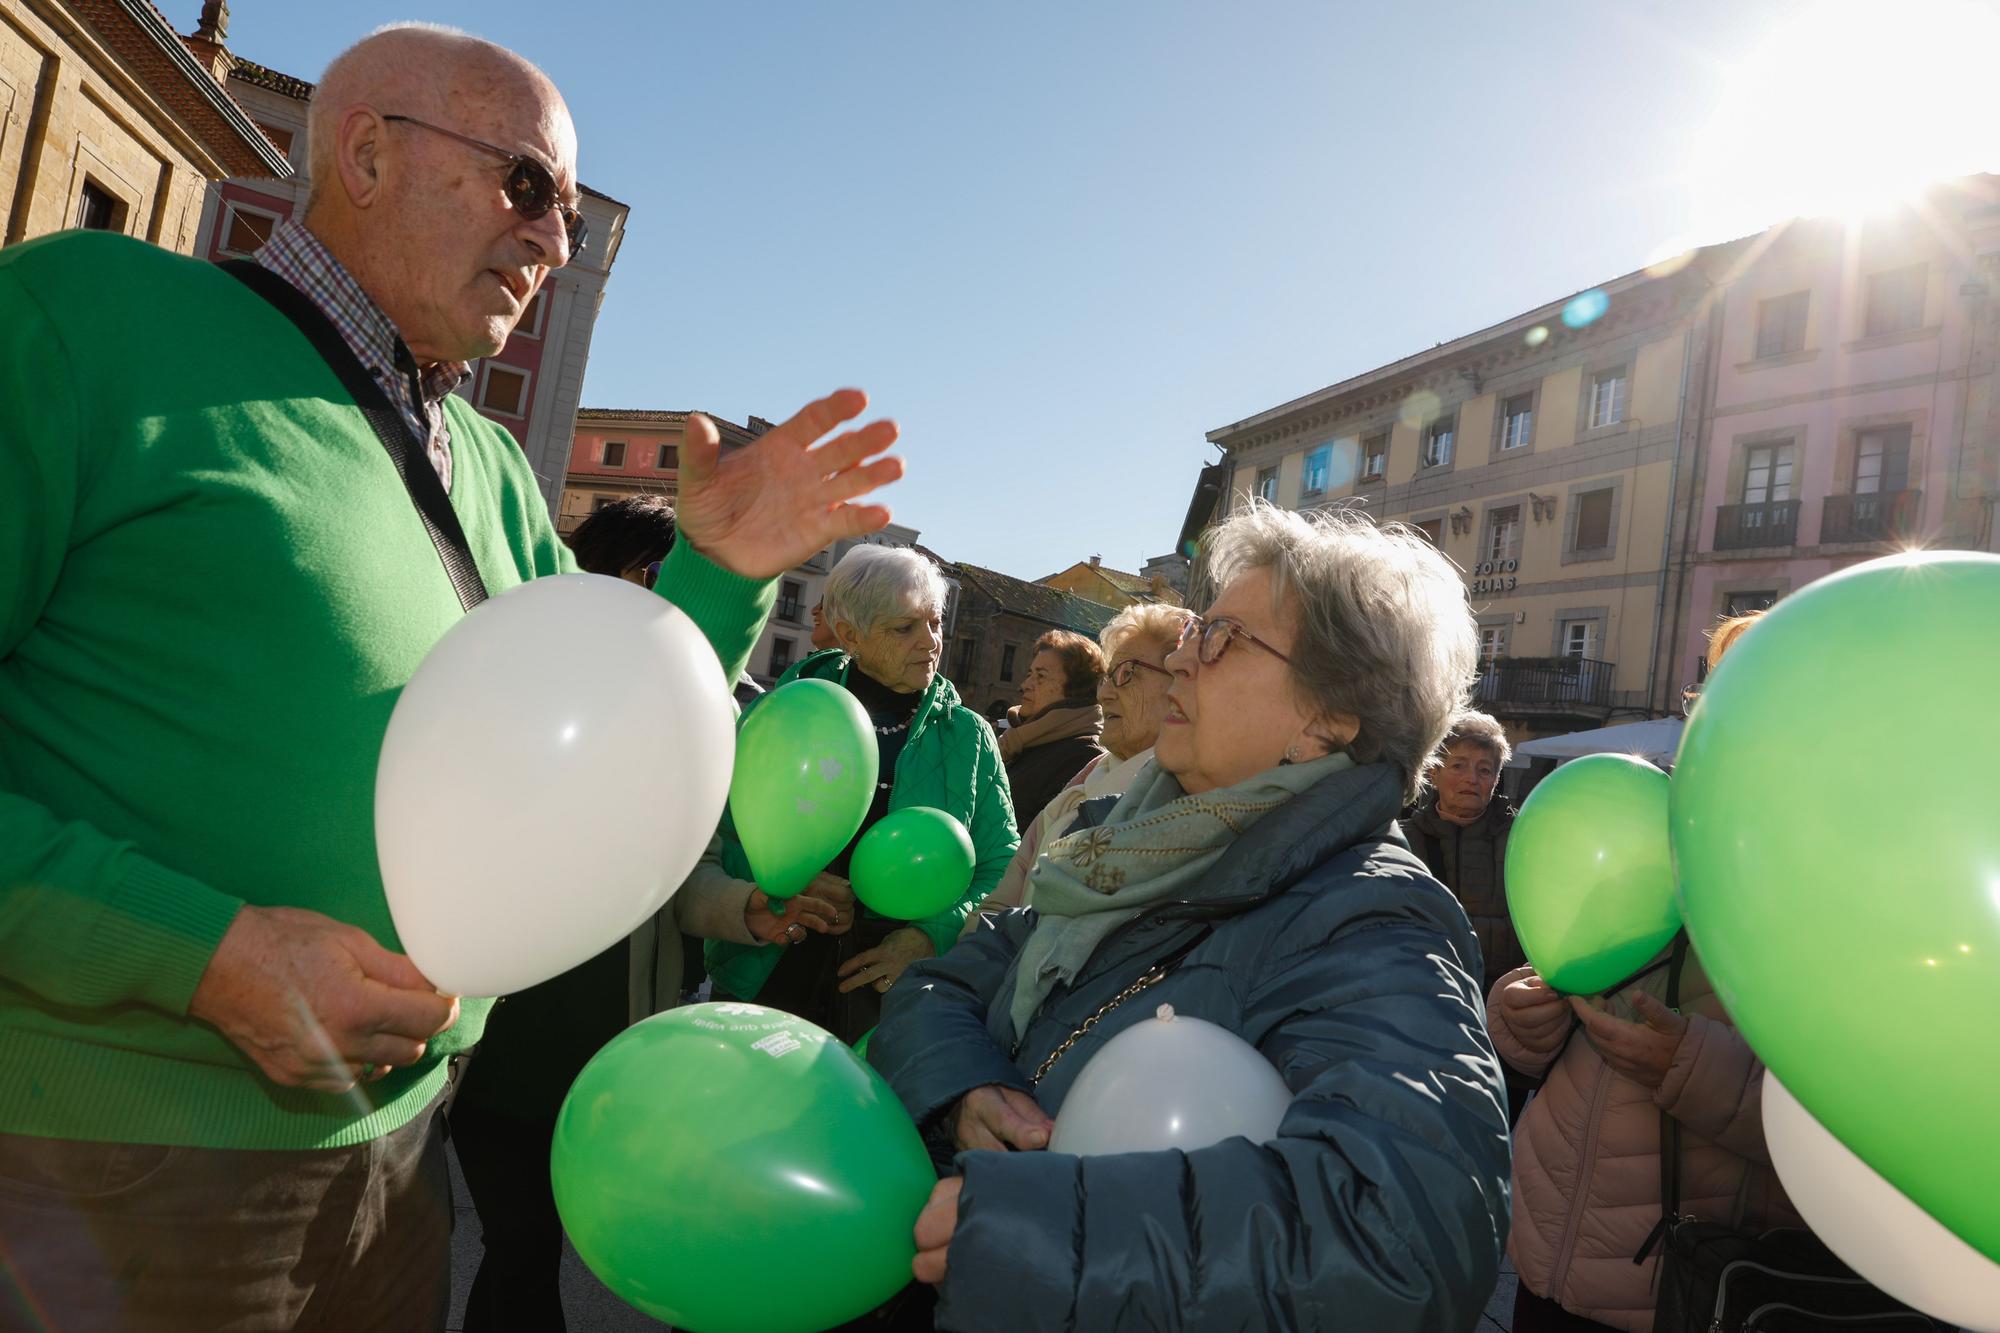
[419, 477]
[1670, 1128]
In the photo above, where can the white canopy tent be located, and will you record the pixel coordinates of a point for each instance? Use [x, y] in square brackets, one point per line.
[1655, 741]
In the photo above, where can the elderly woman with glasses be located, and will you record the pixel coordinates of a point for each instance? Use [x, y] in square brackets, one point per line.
[1252, 875]
[1132, 694]
[825, 958]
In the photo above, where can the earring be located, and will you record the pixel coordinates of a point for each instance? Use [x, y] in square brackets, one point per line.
[1291, 754]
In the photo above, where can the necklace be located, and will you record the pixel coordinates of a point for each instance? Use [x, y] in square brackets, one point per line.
[904, 725]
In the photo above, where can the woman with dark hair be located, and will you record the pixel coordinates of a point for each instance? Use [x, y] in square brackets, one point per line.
[626, 539]
[1053, 734]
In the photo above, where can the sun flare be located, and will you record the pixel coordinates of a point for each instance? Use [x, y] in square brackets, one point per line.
[1848, 107]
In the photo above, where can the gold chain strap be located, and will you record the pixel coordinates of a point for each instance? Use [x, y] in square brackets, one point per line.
[1159, 971]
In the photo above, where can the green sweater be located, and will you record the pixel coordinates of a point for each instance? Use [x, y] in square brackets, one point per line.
[949, 762]
[213, 586]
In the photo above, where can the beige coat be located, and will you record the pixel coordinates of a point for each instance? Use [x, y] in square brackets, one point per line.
[1587, 1154]
[1104, 776]
[709, 906]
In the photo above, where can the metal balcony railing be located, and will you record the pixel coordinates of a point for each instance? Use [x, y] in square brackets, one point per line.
[1575, 682]
[1870, 518]
[1741, 527]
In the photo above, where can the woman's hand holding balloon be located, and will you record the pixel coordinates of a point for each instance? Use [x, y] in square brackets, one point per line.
[935, 1225]
[880, 966]
[997, 1119]
[1642, 1051]
[803, 912]
[1536, 1014]
[831, 888]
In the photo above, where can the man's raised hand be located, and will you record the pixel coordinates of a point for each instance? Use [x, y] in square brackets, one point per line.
[770, 505]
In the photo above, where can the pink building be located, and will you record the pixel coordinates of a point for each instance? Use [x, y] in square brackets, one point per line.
[1852, 407]
[617, 452]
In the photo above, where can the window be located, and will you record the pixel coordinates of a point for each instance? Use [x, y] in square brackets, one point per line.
[1267, 485]
[1007, 662]
[1607, 398]
[1503, 533]
[1781, 325]
[1767, 474]
[1432, 532]
[245, 230]
[1438, 438]
[670, 458]
[530, 325]
[1743, 603]
[1492, 644]
[97, 209]
[1374, 455]
[280, 139]
[1578, 638]
[598, 502]
[1593, 520]
[789, 593]
[505, 392]
[1517, 421]
[1882, 461]
[1895, 300]
[1319, 463]
[783, 651]
[966, 649]
[614, 453]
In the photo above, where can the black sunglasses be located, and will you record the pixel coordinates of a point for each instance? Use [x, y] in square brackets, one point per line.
[531, 187]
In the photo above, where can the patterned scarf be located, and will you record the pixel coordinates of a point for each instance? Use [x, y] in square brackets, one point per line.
[1156, 845]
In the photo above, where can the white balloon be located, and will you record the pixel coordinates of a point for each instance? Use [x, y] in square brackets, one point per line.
[1170, 1082]
[1873, 1226]
[551, 773]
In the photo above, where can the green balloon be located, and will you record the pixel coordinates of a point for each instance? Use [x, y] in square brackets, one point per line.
[806, 766]
[1590, 880]
[861, 1047]
[1838, 840]
[733, 1169]
[913, 863]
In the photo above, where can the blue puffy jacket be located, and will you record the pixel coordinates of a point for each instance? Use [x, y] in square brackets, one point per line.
[1382, 1205]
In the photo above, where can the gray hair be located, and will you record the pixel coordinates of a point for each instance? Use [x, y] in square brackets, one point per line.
[1384, 632]
[1142, 620]
[1482, 730]
[872, 584]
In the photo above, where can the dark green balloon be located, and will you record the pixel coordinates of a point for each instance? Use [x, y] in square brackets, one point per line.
[1590, 879]
[913, 863]
[806, 767]
[733, 1169]
[1836, 824]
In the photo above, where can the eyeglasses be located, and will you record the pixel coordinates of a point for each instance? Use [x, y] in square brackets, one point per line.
[1128, 671]
[1216, 636]
[531, 187]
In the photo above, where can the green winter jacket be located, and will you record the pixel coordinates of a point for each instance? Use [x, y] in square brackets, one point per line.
[950, 762]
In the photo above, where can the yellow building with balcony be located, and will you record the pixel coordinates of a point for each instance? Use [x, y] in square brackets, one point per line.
[1543, 456]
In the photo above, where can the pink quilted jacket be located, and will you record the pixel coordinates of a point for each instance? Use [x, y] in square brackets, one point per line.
[1587, 1154]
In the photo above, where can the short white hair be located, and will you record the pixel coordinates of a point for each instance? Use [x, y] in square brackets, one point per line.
[1384, 632]
[1143, 620]
[872, 584]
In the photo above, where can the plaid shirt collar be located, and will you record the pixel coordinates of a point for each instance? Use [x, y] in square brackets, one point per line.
[297, 256]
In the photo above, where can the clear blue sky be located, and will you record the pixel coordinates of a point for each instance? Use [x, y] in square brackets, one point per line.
[1059, 242]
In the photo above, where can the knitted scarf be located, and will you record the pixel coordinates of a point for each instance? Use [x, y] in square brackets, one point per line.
[1058, 722]
[1155, 846]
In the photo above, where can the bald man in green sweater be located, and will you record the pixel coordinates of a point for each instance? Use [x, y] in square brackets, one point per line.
[221, 1080]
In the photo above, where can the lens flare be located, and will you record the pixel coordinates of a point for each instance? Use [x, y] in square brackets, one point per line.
[1537, 336]
[1586, 309]
[1419, 407]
